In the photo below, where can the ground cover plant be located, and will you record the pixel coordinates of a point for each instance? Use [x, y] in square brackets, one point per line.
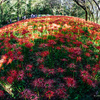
[50, 58]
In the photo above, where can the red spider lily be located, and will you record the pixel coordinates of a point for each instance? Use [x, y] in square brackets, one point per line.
[19, 53]
[13, 73]
[44, 53]
[1, 93]
[34, 97]
[96, 56]
[89, 42]
[43, 45]
[2, 78]
[29, 67]
[29, 45]
[87, 54]
[62, 40]
[20, 57]
[78, 59]
[70, 82]
[20, 75]
[88, 67]
[72, 65]
[98, 47]
[84, 46]
[87, 78]
[29, 74]
[51, 71]
[78, 43]
[44, 70]
[61, 92]
[51, 42]
[10, 53]
[24, 32]
[1, 47]
[40, 60]
[58, 48]
[49, 94]
[10, 79]
[41, 66]
[26, 93]
[63, 59]
[38, 82]
[60, 70]
[9, 61]
[90, 82]
[48, 83]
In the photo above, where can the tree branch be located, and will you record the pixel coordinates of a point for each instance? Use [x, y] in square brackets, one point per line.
[96, 4]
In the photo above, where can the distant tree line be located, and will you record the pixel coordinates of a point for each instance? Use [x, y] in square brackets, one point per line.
[16, 9]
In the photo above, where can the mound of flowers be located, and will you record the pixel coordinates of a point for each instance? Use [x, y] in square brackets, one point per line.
[50, 58]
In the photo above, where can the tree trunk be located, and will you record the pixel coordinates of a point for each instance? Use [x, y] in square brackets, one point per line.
[86, 15]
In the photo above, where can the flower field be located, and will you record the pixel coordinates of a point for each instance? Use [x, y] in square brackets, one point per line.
[50, 58]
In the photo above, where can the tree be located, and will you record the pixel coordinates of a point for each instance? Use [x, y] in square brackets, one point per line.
[81, 3]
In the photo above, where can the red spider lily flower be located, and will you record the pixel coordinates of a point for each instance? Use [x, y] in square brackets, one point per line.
[44, 70]
[2, 78]
[49, 94]
[90, 51]
[38, 53]
[10, 79]
[72, 56]
[43, 45]
[31, 50]
[87, 54]
[98, 47]
[62, 40]
[29, 45]
[29, 67]
[4, 57]
[44, 53]
[41, 66]
[26, 93]
[9, 61]
[34, 97]
[63, 59]
[29, 74]
[78, 59]
[51, 71]
[60, 70]
[89, 42]
[1, 47]
[48, 83]
[88, 67]
[70, 82]
[72, 65]
[51, 42]
[19, 66]
[58, 48]
[24, 31]
[38, 82]
[20, 57]
[19, 53]
[40, 60]
[85, 46]
[90, 82]
[78, 43]
[96, 56]
[20, 75]
[61, 92]
[1, 93]
[13, 73]
[1, 65]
